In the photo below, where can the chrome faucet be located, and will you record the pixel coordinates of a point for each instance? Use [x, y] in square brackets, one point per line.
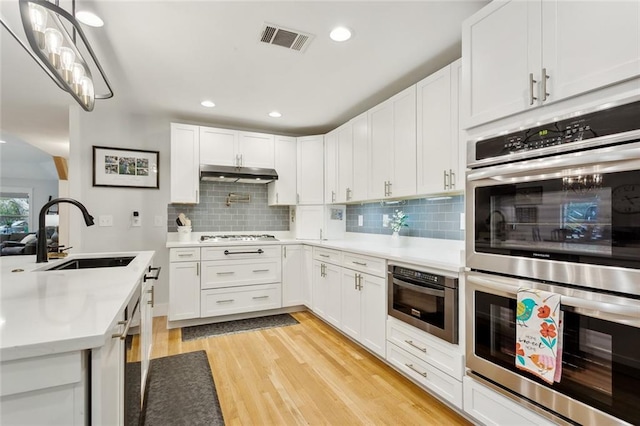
[41, 253]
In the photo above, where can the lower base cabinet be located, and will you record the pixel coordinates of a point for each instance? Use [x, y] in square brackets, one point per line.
[184, 290]
[491, 408]
[234, 300]
[326, 294]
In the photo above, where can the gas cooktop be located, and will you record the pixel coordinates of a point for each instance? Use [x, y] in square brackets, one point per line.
[227, 238]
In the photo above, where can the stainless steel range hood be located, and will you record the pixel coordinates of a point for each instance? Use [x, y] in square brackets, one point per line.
[236, 174]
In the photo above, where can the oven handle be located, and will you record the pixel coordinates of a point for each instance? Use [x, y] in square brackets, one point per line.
[430, 290]
[575, 302]
[626, 157]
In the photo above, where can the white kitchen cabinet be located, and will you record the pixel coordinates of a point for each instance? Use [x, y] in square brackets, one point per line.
[45, 390]
[544, 51]
[282, 192]
[240, 272]
[147, 301]
[185, 163]
[310, 178]
[392, 146]
[360, 135]
[184, 284]
[226, 147]
[307, 275]
[218, 147]
[256, 150]
[491, 408]
[237, 300]
[331, 167]
[319, 222]
[327, 292]
[293, 277]
[351, 307]
[439, 148]
[345, 168]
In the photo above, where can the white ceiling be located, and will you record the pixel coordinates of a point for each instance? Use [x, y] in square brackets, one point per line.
[164, 57]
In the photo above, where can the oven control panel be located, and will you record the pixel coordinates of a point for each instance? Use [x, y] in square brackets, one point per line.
[596, 124]
[421, 277]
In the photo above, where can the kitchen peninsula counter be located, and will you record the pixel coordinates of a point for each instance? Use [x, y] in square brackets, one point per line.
[48, 312]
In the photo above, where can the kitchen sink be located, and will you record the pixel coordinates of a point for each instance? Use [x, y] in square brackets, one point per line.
[93, 262]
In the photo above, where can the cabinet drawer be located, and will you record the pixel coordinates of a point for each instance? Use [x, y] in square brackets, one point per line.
[184, 254]
[240, 252]
[234, 300]
[366, 264]
[423, 373]
[216, 274]
[435, 351]
[327, 255]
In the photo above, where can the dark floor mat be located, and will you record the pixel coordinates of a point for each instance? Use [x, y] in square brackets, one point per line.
[238, 326]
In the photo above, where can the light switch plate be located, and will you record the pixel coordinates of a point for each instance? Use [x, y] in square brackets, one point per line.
[360, 220]
[462, 221]
[385, 220]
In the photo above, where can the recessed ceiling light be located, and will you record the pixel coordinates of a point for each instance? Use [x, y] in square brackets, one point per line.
[89, 18]
[340, 34]
[3, 141]
[275, 114]
[207, 104]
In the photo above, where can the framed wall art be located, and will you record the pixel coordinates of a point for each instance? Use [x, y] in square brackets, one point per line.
[120, 167]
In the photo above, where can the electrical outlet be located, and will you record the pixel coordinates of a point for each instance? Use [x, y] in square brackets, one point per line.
[158, 221]
[105, 220]
[462, 221]
[360, 220]
[385, 220]
[136, 220]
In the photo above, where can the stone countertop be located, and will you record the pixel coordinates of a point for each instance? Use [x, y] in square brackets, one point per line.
[447, 255]
[46, 312]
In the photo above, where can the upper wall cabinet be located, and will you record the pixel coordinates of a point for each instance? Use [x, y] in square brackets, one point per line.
[440, 152]
[360, 132]
[519, 55]
[185, 163]
[224, 147]
[282, 192]
[311, 170]
[392, 146]
[345, 163]
[331, 166]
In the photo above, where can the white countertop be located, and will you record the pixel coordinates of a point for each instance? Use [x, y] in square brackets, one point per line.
[46, 312]
[446, 255]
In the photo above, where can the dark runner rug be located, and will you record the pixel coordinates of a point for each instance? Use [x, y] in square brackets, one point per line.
[238, 326]
[180, 391]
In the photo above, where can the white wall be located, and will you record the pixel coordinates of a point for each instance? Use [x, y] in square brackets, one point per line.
[121, 130]
[41, 190]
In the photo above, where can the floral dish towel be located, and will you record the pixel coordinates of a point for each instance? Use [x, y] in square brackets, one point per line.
[539, 334]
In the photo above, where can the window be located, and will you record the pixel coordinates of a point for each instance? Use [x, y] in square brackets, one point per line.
[14, 212]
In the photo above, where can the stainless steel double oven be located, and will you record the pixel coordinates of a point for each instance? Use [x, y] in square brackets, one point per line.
[557, 207]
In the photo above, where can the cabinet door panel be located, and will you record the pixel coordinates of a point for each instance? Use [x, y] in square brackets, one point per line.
[589, 44]
[319, 290]
[500, 47]
[360, 130]
[311, 170]
[292, 276]
[218, 146]
[351, 311]
[374, 313]
[345, 163]
[331, 167]
[380, 148]
[283, 191]
[256, 150]
[403, 180]
[185, 163]
[184, 290]
[333, 307]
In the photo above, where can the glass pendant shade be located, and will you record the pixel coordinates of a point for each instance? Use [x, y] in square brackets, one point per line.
[38, 16]
[58, 44]
[52, 44]
[67, 60]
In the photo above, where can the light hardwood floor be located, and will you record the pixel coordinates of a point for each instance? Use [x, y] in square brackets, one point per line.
[305, 374]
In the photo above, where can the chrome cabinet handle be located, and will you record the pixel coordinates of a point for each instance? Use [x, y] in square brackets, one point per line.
[285, 251]
[333, 196]
[323, 255]
[225, 273]
[127, 324]
[545, 77]
[185, 254]
[227, 252]
[360, 282]
[355, 281]
[225, 301]
[276, 198]
[260, 297]
[532, 83]
[410, 343]
[197, 269]
[260, 270]
[348, 194]
[389, 190]
[446, 183]
[298, 198]
[411, 367]
[452, 179]
[153, 296]
[359, 263]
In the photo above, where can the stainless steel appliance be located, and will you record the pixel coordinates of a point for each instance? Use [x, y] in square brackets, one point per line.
[557, 208]
[231, 238]
[424, 300]
[560, 202]
[600, 354]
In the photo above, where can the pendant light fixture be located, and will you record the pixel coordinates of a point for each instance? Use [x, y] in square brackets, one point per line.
[57, 44]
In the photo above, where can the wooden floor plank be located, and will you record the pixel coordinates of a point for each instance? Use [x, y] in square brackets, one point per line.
[305, 374]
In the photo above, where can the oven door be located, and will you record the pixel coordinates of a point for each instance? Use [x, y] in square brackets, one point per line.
[600, 354]
[429, 307]
[573, 218]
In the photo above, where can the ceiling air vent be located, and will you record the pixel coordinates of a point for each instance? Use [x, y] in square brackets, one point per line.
[285, 37]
